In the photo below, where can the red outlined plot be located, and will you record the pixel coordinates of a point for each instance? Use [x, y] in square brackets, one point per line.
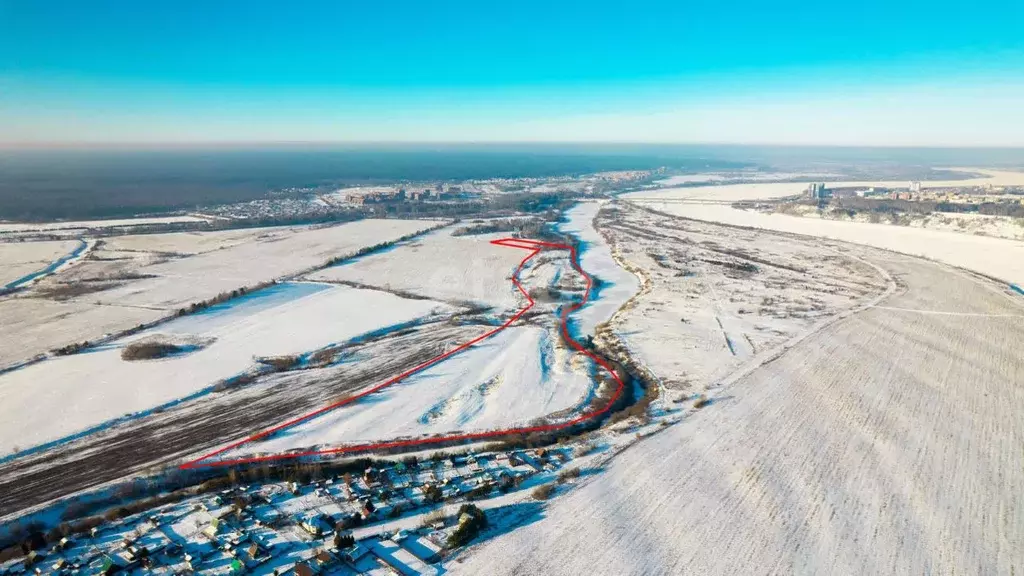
[535, 247]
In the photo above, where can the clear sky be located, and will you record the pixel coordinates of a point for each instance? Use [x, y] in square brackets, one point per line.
[887, 72]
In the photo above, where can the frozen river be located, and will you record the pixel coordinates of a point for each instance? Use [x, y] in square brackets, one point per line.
[613, 286]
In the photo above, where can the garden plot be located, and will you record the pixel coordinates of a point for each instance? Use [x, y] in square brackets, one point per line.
[87, 389]
[515, 377]
[888, 443]
[464, 269]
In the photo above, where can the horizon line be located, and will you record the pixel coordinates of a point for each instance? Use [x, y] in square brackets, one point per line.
[84, 144]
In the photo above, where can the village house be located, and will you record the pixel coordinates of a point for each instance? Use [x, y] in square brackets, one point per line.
[355, 553]
[305, 569]
[315, 524]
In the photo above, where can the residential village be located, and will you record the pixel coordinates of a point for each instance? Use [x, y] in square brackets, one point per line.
[339, 525]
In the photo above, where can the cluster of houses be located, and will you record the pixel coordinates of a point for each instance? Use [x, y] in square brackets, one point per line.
[336, 525]
[377, 196]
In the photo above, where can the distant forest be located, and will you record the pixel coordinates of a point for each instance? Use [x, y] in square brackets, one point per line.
[77, 184]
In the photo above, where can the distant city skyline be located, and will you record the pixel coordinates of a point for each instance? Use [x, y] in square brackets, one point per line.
[916, 74]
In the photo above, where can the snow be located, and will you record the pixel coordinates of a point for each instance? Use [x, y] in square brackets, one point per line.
[766, 191]
[966, 223]
[400, 558]
[32, 326]
[18, 259]
[996, 257]
[616, 285]
[85, 390]
[86, 224]
[185, 268]
[182, 281]
[442, 267]
[698, 320]
[757, 176]
[887, 443]
[515, 376]
[192, 242]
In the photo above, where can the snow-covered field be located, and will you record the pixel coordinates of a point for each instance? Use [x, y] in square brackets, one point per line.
[84, 390]
[741, 175]
[766, 191]
[888, 443]
[192, 242]
[32, 326]
[149, 276]
[81, 225]
[18, 259]
[614, 285]
[717, 297]
[440, 266]
[996, 257]
[976, 224]
[512, 378]
[517, 376]
[182, 281]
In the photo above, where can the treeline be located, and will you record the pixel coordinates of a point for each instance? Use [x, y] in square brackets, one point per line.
[367, 250]
[891, 206]
[81, 516]
[223, 297]
[525, 226]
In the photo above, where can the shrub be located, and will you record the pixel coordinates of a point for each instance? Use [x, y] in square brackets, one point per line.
[584, 449]
[433, 518]
[566, 475]
[280, 363]
[149, 350]
[701, 401]
[543, 492]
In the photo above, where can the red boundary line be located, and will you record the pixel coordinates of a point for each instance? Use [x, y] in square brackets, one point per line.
[535, 248]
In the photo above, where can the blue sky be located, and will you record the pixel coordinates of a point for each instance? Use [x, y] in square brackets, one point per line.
[871, 72]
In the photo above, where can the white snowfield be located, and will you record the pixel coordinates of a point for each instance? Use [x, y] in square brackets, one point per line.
[66, 395]
[79, 225]
[888, 443]
[442, 267]
[995, 257]
[188, 267]
[19, 259]
[971, 224]
[769, 190]
[699, 321]
[33, 326]
[512, 378]
[183, 281]
[192, 242]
